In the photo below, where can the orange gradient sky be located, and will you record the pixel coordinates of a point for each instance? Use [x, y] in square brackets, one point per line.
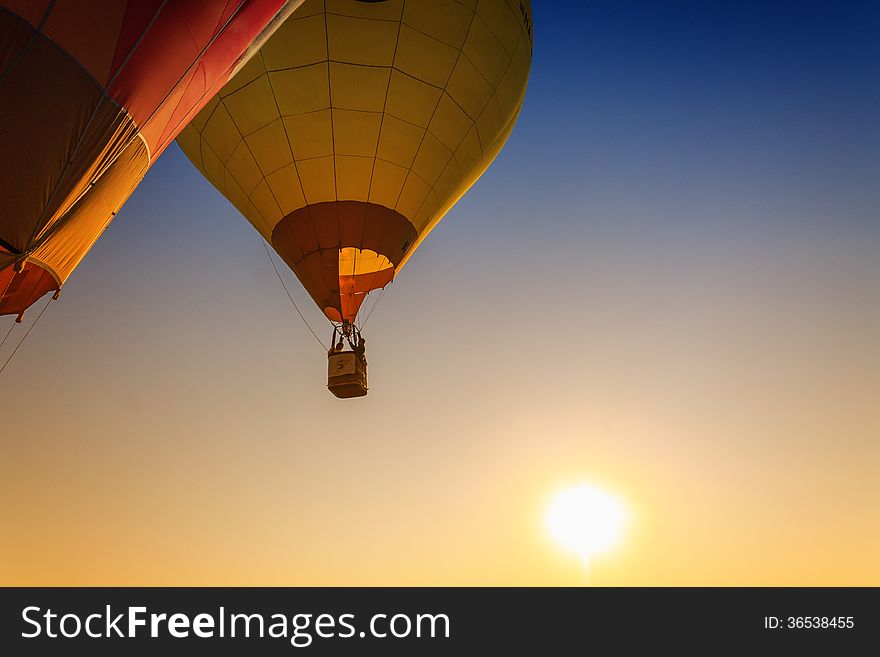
[668, 285]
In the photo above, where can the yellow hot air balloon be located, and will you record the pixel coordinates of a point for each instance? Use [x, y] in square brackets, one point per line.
[356, 128]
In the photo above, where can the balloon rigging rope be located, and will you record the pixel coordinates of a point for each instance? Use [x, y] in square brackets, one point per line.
[24, 337]
[375, 305]
[289, 295]
[5, 289]
[6, 337]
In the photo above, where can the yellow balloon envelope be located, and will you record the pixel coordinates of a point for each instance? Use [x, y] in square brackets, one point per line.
[358, 125]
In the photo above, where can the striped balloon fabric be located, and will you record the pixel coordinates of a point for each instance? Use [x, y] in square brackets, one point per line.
[90, 95]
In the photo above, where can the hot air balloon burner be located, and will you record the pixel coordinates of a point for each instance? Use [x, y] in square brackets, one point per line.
[347, 362]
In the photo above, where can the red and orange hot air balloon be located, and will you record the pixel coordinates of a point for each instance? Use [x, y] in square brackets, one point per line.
[90, 94]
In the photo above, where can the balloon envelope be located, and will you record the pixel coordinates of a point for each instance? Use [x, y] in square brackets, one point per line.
[357, 127]
[90, 94]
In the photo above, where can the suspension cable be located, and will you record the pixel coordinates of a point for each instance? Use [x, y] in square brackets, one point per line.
[24, 337]
[375, 305]
[6, 337]
[289, 295]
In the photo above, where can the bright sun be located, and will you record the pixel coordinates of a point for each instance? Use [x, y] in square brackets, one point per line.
[585, 520]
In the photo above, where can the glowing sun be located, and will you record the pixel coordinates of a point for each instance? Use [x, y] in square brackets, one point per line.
[585, 520]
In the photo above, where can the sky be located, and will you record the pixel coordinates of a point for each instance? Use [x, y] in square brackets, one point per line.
[667, 285]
